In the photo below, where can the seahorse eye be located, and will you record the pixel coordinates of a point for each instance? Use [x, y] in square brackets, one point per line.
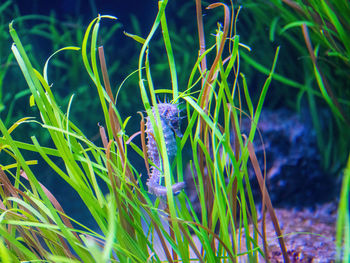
[175, 123]
[165, 113]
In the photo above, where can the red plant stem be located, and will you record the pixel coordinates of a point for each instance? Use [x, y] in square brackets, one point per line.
[201, 36]
[211, 75]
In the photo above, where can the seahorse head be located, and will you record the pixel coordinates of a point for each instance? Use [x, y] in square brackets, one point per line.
[171, 114]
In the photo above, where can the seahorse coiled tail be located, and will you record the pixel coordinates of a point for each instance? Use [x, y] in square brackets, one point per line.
[170, 123]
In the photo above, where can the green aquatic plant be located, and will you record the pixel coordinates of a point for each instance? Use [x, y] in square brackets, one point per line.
[343, 222]
[7, 99]
[317, 33]
[47, 34]
[132, 226]
[317, 36]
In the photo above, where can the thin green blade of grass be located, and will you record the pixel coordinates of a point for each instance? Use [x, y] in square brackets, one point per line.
[112, 222]
[343, 35]
[28, 255]
[247, 96]
[171, 60]
[84, 45]
[343, 225]
[70, 237]
[96, 77]
[262, 97]
[159, 136]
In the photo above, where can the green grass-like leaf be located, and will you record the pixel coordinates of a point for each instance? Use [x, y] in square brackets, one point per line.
[132, 227]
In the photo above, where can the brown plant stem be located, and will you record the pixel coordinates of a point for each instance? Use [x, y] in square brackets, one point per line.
[201, 36]
[267, 203]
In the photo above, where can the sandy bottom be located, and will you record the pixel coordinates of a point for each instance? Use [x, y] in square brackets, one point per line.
[309, 236]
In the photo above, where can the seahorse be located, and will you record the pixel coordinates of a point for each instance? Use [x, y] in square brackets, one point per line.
[170, 123]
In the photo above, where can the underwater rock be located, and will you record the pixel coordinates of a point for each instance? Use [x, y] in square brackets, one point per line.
[294, 174]
[295, 177]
